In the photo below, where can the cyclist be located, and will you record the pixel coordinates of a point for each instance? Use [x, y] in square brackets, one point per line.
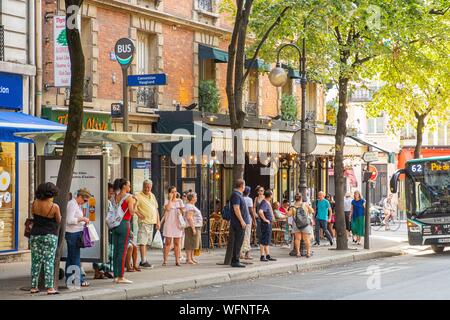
[389, 210]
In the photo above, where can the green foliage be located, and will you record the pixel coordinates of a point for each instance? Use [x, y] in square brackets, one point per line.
[288, 108]
[209, 97]
[331, 113]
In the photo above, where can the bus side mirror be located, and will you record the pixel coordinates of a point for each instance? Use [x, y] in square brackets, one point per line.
[394, 180]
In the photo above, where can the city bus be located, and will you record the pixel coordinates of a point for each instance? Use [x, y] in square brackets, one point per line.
[427, 194]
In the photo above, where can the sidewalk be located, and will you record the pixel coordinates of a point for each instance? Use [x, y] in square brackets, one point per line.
[165, 280]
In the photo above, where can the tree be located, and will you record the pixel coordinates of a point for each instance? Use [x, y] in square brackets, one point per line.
[75, 121]
[236, 78]
[416, 86]
[342, 37]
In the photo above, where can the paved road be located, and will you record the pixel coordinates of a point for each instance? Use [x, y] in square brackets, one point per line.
[419, 275]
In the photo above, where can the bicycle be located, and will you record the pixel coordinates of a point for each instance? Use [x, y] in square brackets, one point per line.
[393, 224]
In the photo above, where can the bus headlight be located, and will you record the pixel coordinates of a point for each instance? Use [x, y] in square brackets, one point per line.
[412, 227]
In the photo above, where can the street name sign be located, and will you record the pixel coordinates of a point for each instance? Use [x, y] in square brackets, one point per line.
[370, 156]
[139, 80]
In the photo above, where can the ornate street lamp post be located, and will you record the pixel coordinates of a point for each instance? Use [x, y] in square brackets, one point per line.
[278, 78]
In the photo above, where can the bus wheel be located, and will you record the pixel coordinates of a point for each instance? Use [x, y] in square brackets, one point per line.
[437, 249]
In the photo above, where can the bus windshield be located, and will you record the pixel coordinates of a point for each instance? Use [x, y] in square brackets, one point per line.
[431, 184]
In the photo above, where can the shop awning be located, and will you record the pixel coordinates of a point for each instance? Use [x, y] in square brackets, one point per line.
[292, 73]
[219, 56]
[259, 64]
[100, 136]
[278, 142]
[14, 122]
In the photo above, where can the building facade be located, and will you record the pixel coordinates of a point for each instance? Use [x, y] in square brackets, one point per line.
[17, 77]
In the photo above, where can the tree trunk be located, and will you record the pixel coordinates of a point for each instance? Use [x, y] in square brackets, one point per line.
[341, 132]
[419, 134]
[74, 127]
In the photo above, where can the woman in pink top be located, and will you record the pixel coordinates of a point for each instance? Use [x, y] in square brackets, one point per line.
[172, 229]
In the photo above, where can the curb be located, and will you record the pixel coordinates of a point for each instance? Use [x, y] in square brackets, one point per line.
[169, 287]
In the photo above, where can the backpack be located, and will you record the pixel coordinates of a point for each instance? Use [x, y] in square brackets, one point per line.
[301, 219]
[226, 212]
[115, 214]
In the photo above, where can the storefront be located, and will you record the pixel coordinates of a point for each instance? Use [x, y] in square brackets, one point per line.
[206, 165]
[14, 178]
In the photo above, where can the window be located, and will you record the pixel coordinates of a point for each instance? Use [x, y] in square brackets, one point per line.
[206, 5]
[146, 64]
[207, 70]
[251, 107]
[376, 125]
[8, 196]
[86, 42]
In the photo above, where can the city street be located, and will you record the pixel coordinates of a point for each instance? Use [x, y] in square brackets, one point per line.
[418, 275]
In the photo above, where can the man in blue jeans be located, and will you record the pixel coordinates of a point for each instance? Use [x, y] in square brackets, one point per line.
[323, 217]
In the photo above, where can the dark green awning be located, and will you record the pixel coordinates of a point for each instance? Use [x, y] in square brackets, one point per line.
[258, 64]
[292, 73]
[219, 56]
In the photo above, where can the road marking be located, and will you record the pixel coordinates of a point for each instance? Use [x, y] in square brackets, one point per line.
[363, 271]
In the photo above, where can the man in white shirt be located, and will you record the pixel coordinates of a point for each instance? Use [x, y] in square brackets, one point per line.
[347, 208]
[75, 223]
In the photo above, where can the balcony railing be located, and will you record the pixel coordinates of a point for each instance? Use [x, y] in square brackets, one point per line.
[251, 108]
[2, 43]
[206, 5]
[147, 97]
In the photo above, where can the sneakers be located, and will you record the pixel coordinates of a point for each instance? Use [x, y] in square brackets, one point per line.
[331, 242]
[263, 259]
[270, 258]
[316, 244]
[145, 265]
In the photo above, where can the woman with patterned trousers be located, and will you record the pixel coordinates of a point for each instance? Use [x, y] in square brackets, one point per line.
[44, 236]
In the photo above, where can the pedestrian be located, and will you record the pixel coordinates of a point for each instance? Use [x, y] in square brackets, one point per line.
[285, 207]
[172, 230]
[147, 211]
[279, 216]
[75, 224]
[259, 197]
[193, 232]
[266, 215]
[389, 210]
[347, 208]
[246, 246]
[132, 249]
[323, 217]
[44, 236]
[103, 270]
[240, 217]
[302, 224]
[330, 225]
[357, 216]
[125, 203]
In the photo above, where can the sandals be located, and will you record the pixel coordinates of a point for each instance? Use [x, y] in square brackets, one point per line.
[108, 275]
[137, 269]
[52, 292]
[164, 264]
[130, 270]
[33, 291]
[177, 264]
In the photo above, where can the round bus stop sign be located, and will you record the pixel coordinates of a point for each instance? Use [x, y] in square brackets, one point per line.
[374, 175]
[124, 51]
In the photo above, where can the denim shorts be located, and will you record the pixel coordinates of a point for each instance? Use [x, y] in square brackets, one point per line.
[266, 234]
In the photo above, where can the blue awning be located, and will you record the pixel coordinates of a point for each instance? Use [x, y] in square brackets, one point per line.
[219, 56]
[13, 122]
